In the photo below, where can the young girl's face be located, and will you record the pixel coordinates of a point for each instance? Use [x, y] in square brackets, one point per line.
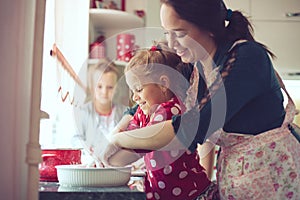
[104, 88]
[146, 95]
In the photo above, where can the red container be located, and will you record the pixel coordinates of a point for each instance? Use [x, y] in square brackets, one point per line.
[97, 50]
[125, 46]
[54, 157]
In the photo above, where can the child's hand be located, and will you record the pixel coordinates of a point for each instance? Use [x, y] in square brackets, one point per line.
[122, 125]
[108, 151]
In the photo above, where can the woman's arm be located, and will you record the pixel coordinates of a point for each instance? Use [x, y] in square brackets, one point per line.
[159, 136]
[123, 158]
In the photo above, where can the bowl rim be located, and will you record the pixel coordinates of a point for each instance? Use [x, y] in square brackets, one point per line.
[84, 167]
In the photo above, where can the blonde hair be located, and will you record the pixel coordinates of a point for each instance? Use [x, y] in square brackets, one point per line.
[103, 66]
[157, 61]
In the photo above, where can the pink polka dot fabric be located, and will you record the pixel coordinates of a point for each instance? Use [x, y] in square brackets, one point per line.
[173, 174]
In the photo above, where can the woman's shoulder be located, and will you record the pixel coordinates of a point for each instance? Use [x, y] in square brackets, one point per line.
[249, 48]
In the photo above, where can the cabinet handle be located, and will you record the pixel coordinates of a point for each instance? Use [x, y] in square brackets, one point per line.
[291, 14]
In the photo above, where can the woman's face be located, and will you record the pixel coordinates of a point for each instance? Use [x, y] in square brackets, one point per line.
[104, 88]
[189, 42]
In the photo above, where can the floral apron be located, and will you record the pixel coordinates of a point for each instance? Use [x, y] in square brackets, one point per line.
[264, 166]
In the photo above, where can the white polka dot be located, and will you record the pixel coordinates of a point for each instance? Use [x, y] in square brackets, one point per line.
[195, 184]
[132, 41]
[159, 118]
[174, 111]
[192, 192]
[126, 46]
[150, 174]
[156, 195]
[161, 184]
[120, 53]
[149, 195]
[127, 59]
[153, 163]
[121, 41]
[183, 174]
[174, 153]
[176, 191]
[118, 47]
[167, 170]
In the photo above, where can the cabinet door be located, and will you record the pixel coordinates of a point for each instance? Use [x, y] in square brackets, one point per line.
[283, 39]
[275, 10]
[241, 5]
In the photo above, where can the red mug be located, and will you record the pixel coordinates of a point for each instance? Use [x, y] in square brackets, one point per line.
[125, 46]
[54, 157]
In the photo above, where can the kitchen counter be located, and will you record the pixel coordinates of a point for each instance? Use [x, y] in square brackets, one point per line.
[52, 190]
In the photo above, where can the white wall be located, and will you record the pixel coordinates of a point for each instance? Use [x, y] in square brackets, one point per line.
[16, 55]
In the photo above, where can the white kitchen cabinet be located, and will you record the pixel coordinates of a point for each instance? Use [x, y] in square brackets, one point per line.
[275, 10]
[277, 25]
[241, 5]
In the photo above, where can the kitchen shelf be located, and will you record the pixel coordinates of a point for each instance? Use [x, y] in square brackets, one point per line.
[117, 62]
[103, 19]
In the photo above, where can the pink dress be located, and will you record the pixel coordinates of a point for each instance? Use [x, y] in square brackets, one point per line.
[173, 174]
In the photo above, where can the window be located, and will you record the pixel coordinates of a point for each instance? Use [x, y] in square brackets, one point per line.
[66, 24]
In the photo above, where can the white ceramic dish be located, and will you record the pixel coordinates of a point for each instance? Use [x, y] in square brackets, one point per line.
[80, 175]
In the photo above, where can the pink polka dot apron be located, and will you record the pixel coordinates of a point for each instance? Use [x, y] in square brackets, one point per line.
[264, 166]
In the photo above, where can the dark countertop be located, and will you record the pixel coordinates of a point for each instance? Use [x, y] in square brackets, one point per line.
[53, 191]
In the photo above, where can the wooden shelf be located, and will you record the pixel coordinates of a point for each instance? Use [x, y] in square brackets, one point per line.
[114, 19]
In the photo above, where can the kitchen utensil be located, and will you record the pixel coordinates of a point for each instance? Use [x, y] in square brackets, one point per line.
[55, 52]
[80, 175]
[54, 157]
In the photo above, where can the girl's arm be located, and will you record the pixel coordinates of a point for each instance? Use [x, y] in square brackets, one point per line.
[206, 152]
[122, 124]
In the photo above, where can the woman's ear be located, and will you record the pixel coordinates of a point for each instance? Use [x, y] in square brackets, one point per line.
[164, 82]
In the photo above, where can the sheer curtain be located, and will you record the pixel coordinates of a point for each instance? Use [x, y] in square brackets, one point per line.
[66, 25]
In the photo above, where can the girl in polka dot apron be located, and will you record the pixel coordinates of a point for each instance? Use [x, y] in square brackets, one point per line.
[177, 174]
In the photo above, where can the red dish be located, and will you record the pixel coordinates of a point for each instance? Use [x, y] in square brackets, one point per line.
[54, 157]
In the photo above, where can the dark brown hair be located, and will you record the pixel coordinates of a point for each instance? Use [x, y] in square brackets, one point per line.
[210, 15]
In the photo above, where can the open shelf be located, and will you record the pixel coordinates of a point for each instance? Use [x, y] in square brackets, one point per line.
[114, 19]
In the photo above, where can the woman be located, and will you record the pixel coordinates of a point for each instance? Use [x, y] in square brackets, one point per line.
[240, 104]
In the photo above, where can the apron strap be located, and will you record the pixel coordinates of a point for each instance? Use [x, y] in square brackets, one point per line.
[291, 110]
